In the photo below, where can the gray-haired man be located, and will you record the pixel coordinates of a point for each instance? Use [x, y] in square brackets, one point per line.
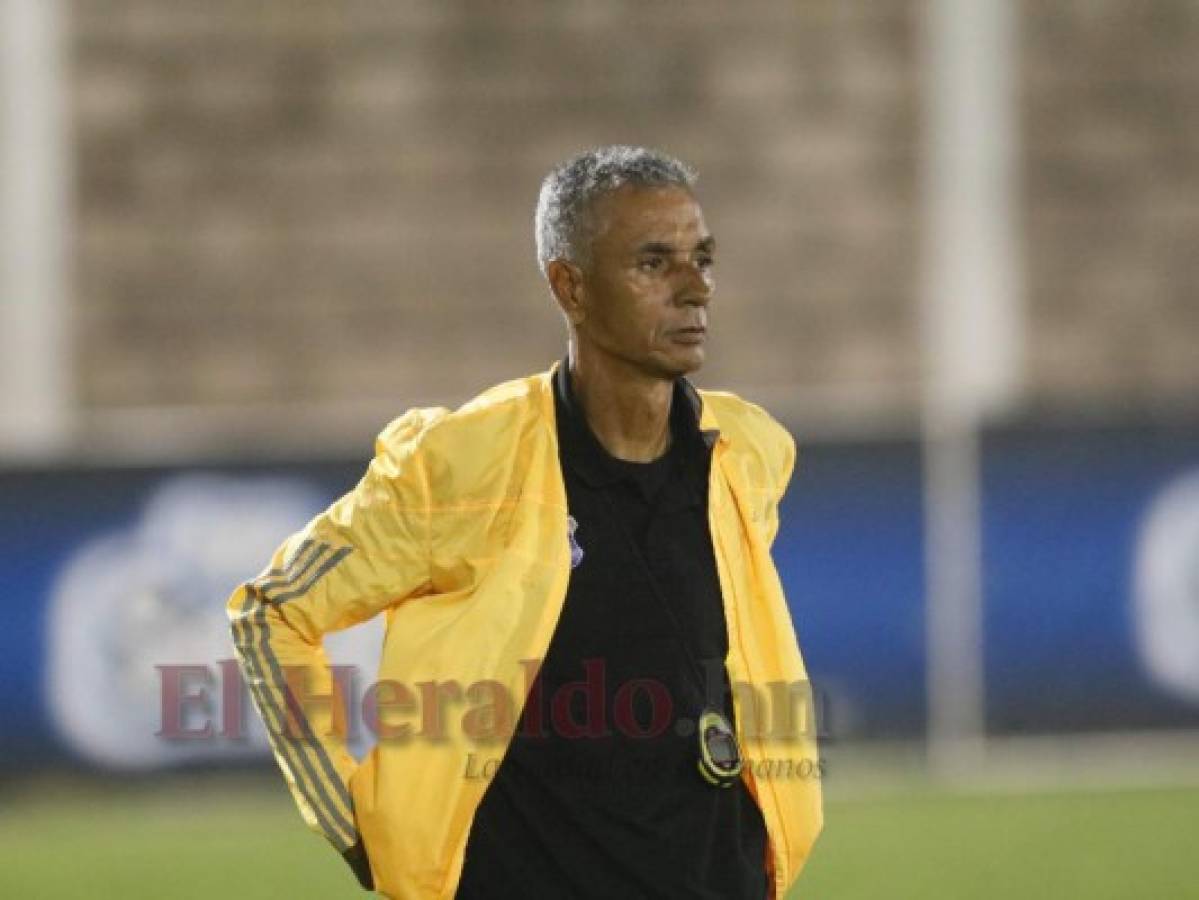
[603, 526]
[612, 811]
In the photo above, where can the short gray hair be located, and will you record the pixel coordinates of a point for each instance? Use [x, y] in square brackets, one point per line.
[570, 188]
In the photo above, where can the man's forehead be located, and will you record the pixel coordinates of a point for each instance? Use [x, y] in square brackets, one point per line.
[637, 214]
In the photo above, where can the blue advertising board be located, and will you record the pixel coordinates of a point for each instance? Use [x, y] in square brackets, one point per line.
[1076, 636]
[1091, 620]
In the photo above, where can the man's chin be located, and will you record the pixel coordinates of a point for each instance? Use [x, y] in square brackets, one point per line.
[682, 361]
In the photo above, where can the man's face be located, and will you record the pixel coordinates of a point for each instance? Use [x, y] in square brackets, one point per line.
[648, 281]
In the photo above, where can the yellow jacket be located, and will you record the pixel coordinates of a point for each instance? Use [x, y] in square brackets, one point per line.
[458, 533]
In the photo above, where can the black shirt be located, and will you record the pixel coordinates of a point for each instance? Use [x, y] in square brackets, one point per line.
[598, 794]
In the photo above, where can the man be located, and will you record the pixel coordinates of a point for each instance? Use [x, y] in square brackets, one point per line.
[579, 560]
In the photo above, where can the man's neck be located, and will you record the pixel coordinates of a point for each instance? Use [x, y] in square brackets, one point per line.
[628, 411]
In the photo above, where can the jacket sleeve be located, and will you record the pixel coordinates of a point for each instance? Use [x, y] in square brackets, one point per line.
[366, 552]
[783, 467]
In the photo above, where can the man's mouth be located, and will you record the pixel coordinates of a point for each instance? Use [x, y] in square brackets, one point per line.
[690, 335]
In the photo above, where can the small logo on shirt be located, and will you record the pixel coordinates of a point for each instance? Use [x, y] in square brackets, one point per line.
[576, 552]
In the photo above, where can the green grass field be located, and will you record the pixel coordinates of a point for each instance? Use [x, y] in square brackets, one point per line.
[243, 840]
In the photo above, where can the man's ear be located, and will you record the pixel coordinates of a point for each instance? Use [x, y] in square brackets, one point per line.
[566, 283]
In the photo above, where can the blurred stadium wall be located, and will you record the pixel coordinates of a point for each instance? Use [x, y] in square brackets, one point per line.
[328, 207]
[277, 225]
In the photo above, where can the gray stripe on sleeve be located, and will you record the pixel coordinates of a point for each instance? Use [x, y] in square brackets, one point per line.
[295, 572]
[327, 815]
[287, 563]
[316, 576]
[318, 750]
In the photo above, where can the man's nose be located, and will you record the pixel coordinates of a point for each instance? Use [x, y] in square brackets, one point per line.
[697, 285]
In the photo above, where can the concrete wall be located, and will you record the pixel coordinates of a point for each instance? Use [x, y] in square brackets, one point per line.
[1111, 199]
[288, 201]
[310, 202]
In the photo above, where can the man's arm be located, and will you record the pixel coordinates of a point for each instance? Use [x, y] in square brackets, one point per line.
[366, 552]
[776, 452]
[786, 468]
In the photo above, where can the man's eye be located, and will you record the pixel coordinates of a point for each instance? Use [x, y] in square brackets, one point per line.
[705, 262]
[651, 264]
